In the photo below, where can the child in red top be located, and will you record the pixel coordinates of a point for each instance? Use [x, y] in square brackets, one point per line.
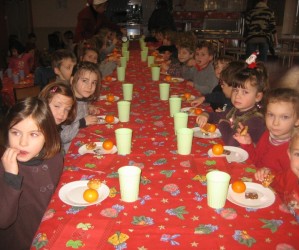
[287, 183]
[281, 117]
[19, 59]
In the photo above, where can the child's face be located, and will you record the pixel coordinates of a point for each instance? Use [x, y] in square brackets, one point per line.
[90, 56]
[226, 89]
[86, 85]
[27, 138]
[166, 41]
[159, 36]
[219, 66]
[14, 52]
[294, 157]
[60, 106]
[202, 57]
[245, 99]
[184, 55]
[66, 69]
[166, 55]
[281, 119]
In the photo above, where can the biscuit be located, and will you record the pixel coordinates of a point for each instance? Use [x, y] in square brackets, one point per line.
[94, 183]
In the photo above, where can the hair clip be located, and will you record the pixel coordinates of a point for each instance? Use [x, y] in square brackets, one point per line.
[53, 90]
[251, 61]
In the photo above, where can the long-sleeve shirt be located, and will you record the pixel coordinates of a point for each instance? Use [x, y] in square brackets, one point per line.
[227, 123]
[22, 62]
[69, 132]
[265, 154]
[204, 80]
[217, 99]
[24, 199]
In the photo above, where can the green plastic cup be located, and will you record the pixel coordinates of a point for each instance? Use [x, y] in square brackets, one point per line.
[124, 49]
[129, 181]
[121, 73]
[180, 121]
[143, 55]
[174, 105]
[184, 140]
[123, 108]
[155, 73]
[126, 54]
[127, 91]
[123, 140]
[217, 188]
[150, 60]
[164, 91]
[123, 61]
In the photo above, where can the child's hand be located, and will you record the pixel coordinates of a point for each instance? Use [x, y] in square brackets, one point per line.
[219, 110]
[93, 110]
[91, 120]
[191, 63]
[201, 120]
[9, 161]
[240, 137]
[189, 83]
[198, 101]
[261, 174]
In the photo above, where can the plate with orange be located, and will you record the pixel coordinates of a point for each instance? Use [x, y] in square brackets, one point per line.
[199, 133]
[109, 79]
[232, 154]
[254, 196]
[98, 148]
[192, 111]
[107, 119]
[109, 98]
[169, 78]
[72, 193]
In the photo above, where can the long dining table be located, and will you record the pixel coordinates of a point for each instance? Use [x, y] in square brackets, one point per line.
[171, 211]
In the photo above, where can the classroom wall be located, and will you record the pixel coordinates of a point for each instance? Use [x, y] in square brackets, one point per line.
[54, 15]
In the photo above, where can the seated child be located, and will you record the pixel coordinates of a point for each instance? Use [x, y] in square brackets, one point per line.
[219, 99]
[248, 88]
[89, 54]
[84, 83]
[281, 116]
[30, 170]
[63, 62]
[202, 75]
[168, 48]
[286, 183]
[186, 48]
[20, 60]
[44, 73]
[61, 100]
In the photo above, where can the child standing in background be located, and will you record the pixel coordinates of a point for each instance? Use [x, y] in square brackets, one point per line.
[286, 183]
[61, 100]
[84, 83]
[30, 170]
[20, 60]
[202, 75]
[63, 62]
[281, 116]
[248, 88]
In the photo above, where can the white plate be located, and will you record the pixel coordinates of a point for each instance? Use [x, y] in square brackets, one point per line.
[113, 79]
[102, 120]
[265, 196]
[72, 193]
[175, 79]
[104, 98]
[188, 110]
[236, 154]
[83, 150]
[199, 134]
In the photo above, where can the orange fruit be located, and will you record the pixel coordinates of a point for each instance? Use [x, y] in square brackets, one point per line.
[108, 145]
[108, 78]
[212, 128]
[110, 97]
[187, 95]
[109, 118]
[197, 111]
[217, 149]
[90, 195]
[238, 186]
[155, 53]
[167, 78]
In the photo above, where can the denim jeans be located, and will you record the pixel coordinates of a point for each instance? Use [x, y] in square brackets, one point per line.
[262, 47]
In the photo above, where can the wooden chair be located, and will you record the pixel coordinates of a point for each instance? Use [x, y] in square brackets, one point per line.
[22, 93]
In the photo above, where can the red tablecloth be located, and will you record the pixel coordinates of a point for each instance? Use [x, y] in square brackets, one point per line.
[172, 211]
